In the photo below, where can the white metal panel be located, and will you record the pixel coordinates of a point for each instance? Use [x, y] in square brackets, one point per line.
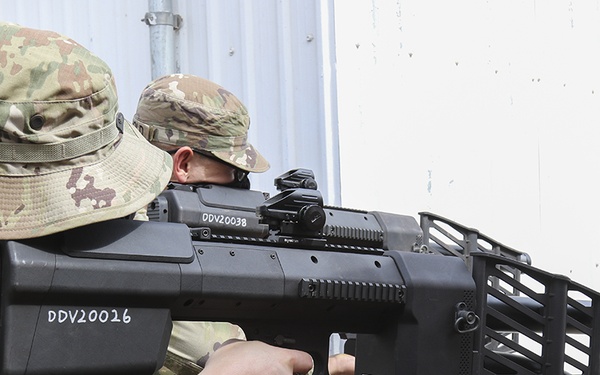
[485, 112]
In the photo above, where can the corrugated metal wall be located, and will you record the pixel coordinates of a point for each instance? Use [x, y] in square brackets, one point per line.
[277, 56]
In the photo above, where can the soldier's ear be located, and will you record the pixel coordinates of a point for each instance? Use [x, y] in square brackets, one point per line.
[182, 164]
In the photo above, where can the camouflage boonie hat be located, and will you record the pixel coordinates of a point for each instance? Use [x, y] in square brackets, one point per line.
[185, 110]
[67, 157]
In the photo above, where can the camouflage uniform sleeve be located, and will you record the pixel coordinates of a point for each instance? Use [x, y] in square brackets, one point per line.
[192, 342]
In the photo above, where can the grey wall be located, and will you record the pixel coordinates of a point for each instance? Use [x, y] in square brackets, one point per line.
[276, 56]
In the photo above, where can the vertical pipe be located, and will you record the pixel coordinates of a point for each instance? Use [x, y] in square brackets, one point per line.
[163, 24]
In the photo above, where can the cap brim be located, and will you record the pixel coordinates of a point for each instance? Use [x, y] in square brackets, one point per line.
[126, 180]
[247, 159]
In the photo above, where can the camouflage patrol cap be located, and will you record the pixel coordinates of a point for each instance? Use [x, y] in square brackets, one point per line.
[185, 110]
[67, 157]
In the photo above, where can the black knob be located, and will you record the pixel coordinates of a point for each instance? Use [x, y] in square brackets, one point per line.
[312, 217]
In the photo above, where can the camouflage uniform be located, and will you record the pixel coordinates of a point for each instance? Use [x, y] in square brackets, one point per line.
[67, 157]
[192, 343]
[183, 110]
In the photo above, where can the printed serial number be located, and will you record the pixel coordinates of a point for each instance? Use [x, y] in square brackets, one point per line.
[224, 219]
[81, 316]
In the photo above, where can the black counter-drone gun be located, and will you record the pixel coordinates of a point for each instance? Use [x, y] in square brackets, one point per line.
[433, 297]
[294, 217]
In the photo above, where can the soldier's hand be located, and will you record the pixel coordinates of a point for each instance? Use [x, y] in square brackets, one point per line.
[256, 358]
[341, 364]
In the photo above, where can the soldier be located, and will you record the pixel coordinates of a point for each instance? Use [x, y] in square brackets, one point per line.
[205, 128]
[62, 140]
[68, 158]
